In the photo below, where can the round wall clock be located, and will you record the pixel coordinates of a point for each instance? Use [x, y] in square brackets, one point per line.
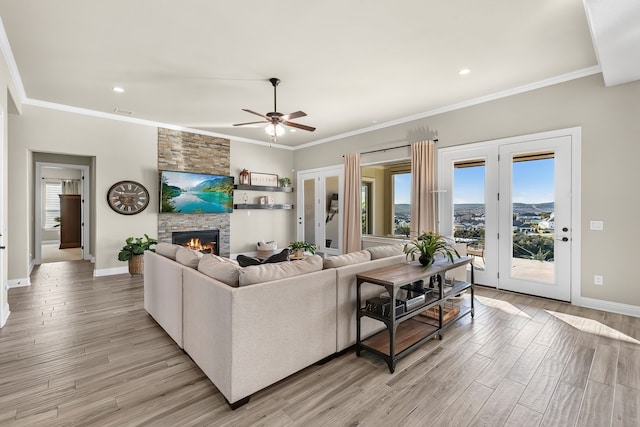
[128, 197]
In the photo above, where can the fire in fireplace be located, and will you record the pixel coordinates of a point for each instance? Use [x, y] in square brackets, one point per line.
[205, 241]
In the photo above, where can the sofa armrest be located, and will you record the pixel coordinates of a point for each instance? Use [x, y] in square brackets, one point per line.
[163, 293]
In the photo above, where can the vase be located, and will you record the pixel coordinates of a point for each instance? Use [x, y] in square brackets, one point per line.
[136, 265]
[425, 260]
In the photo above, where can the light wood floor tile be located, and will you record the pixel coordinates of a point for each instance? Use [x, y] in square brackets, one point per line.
[81, 350]
[597, 405]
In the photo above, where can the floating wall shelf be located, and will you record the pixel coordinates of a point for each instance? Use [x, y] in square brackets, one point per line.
[262, 188]
[255, 206]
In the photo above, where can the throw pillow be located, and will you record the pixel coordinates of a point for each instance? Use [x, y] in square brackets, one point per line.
[222, 271]
[386, 251]
[346, 259]
[245, 261]
[188, 257]
[167, 250]
[282, 256]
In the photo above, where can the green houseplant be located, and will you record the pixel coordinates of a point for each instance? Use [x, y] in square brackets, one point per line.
[299, 248]
[427, 246]
[133, 252]
[285, 182]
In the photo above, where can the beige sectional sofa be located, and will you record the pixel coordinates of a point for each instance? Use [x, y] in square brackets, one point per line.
[247, 328]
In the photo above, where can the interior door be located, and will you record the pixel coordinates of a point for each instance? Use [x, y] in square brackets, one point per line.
[535, 218]
[319, 206]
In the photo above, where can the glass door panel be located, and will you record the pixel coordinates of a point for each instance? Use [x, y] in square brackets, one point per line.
[308, 223]
[469, 208]
[332, 219]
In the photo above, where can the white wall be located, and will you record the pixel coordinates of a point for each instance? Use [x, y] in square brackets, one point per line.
[610, 153]
[250, 226]
[121, 150]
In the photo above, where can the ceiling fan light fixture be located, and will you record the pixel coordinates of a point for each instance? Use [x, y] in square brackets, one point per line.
[274, 130]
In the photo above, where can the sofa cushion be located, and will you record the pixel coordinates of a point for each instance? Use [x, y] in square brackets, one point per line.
[385, 251]
[219, 269]
[347, 259]
[269, 272]
[188, 257]
[167, 250]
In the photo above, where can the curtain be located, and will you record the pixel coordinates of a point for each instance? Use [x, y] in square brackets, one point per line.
[352, 226]
[423, 216]
[70, 186]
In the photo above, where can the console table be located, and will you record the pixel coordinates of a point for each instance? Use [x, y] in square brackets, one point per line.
[405, 330]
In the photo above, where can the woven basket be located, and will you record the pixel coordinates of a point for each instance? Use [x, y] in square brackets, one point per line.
[136, 265]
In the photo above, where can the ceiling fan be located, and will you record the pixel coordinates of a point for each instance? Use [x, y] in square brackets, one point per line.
[275, 120]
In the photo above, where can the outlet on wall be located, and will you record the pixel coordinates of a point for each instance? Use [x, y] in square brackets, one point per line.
[598, 280]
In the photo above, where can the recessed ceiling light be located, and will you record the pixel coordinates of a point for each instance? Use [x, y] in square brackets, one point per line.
[118, 89]
[464, 71]
[292, 130]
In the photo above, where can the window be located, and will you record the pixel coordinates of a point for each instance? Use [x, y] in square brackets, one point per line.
[51, 204]
[386, 199]
[401, 203]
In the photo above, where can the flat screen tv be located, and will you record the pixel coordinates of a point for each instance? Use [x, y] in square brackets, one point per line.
[195, 193]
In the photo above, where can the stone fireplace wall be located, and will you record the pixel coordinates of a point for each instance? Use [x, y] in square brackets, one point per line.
[189, 152]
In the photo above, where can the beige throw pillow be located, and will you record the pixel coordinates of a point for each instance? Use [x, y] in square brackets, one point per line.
[346, 259]
[167, 250]
[188, 257]
[219, 269]
[385, 251]
[269, 272]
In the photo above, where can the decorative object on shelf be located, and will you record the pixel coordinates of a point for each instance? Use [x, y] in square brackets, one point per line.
[266, 200]
[299, 248]
[244, 177]
[133, 252]
[285, 182]
[427, 246]
[128, 197]
[264, 179]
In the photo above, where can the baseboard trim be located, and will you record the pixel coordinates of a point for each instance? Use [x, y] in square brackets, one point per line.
[110, 271]
[613, 307]
[18, 283]
[5, 315]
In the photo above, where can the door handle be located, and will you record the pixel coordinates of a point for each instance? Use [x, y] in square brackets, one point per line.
[3, 247]
[564, 239]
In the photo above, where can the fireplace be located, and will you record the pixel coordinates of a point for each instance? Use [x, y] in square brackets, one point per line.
[206, 241]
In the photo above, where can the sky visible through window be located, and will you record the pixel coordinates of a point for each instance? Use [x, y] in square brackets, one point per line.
[533, 182]
[402, 188]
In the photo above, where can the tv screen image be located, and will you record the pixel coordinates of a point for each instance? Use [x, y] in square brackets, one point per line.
[186, 192]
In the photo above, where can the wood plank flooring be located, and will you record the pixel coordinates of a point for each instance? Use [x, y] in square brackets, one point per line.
[79, 350]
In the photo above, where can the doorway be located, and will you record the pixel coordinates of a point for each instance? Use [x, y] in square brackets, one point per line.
[62, 216]
[512, 202]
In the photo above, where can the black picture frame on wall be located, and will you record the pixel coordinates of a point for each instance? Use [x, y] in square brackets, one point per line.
[263, 179]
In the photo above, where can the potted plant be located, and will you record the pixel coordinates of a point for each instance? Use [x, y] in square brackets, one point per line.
[285, 182]
[133, 252]
[427, 246]
[299, 248]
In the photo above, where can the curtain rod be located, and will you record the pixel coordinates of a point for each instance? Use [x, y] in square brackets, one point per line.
[390, 148]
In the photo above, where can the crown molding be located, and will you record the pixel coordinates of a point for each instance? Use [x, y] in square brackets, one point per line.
[7, 53]
[143, 122]
[585, 72]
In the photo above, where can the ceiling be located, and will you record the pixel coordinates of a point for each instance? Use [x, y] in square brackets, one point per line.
[351, 66]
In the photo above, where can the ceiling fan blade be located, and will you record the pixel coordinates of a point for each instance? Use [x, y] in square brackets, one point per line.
[250, 123]
[257, 114]
[295, 115]
[299, 126]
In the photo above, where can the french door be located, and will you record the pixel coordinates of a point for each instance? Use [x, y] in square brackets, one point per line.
[511, 201]
[319, 204]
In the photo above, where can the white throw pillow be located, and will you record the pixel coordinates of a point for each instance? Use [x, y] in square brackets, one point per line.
[385, 251]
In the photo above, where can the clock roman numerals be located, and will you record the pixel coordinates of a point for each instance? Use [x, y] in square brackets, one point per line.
[128, 197]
